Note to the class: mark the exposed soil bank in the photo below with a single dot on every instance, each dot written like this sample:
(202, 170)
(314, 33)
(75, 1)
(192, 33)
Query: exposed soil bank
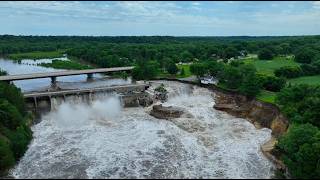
(261, 114)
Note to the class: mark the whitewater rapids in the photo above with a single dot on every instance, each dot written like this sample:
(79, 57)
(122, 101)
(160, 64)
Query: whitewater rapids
(104, 140)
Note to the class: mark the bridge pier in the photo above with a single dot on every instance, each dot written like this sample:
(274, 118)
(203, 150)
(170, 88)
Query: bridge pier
(90, 77)
(54, 82)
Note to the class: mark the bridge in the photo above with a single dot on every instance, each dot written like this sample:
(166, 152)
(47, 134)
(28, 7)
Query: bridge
(54, 75)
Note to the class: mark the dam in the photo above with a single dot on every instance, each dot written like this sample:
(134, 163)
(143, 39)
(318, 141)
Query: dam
(103, 129)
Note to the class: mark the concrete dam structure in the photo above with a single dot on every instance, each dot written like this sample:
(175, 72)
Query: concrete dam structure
(131, 95)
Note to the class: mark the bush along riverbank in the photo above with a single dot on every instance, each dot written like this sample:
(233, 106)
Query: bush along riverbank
(69, 65)
(15, 132)
(295, 144)
(37, 55)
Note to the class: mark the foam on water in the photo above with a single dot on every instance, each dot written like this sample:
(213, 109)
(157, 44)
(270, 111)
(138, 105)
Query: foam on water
(103, 140)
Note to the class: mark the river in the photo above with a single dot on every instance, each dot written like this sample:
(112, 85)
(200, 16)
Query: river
(104, 140)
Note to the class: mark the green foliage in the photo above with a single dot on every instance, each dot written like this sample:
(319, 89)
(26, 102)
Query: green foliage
(182, 73)
(305, 55)
(242, 77)
(272, 83)
(198, 69)
(172, 68)
(59, 64)
(288, 72)
(6, 156)
(14, 134)
(13, 95)
(301, 103)
(9, 115)
(2, 73)
(265, 54)
(230, 52)
(310, 80)
(161, 89)
(36, 55)
(269, 66)
(250, 85)
(146, 70)
(301, 151)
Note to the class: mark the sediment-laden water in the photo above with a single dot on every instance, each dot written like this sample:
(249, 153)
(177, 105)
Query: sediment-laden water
(104, 140)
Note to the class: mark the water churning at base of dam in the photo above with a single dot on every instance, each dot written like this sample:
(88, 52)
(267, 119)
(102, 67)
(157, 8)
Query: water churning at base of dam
(105, 140)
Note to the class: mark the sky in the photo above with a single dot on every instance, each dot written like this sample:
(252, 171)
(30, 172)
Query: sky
(167, 18)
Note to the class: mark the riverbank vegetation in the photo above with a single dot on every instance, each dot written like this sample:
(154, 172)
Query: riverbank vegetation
(70, 65)
(15, 133)
(271, 69)
(36, 55)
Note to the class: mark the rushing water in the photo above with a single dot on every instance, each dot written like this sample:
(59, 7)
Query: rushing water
(104, 140)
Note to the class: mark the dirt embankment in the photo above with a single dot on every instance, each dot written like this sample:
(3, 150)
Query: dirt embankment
(261, 114)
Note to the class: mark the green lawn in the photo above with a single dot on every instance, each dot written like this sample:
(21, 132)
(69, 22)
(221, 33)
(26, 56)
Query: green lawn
(311, 80)
(267, 96)
(186, 68)
(268, 66)
(187, 72)
(36, 55)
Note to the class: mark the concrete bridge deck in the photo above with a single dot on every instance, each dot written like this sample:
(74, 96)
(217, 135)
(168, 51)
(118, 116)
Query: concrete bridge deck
(118, 89)
(62, 73)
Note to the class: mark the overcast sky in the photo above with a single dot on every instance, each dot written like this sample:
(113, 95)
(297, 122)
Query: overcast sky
(190, 18)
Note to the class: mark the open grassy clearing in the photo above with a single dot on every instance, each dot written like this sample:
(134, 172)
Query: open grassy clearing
(268, 66)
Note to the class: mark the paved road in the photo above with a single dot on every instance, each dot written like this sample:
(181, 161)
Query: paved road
(62, 73)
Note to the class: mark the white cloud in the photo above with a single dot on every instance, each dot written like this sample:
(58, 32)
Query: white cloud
(196, 4)
(316, 4)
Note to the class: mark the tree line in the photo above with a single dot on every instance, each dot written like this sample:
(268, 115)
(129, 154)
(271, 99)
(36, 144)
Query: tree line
(15, 133)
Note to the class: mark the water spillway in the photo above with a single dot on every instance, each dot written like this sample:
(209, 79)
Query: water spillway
(106, 140)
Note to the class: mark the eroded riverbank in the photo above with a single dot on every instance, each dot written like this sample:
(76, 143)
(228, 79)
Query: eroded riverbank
(107, 141)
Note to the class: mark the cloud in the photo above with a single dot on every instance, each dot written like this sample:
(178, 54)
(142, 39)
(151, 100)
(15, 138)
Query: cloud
(316, 4)
(175, 18)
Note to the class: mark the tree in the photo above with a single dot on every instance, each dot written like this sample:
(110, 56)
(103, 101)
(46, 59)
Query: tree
(2, 73)
(288, 72)
(172, 68)
(198, 69)
(305, 55)
(231, 77)
(231, 52)
(146, 70)
(250, 86)
(301, 151)
(182, 73)
(272, 83)
(265, 54)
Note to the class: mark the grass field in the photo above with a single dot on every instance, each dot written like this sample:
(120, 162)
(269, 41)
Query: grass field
(268, 67)
(187, 72)
(36, 55)
(267, 96)
(311, 80)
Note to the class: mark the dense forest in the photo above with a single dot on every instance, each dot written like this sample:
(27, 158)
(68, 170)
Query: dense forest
(220, 57)
(15, 133)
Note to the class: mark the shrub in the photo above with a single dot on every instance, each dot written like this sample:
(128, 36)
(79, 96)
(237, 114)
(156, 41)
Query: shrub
(172, 68)
(6, 156)
(272, 83)
(301, 151)
(265, 54)
(288, 72)
(305, 55)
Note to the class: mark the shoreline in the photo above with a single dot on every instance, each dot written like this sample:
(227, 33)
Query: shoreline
(277, 121)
